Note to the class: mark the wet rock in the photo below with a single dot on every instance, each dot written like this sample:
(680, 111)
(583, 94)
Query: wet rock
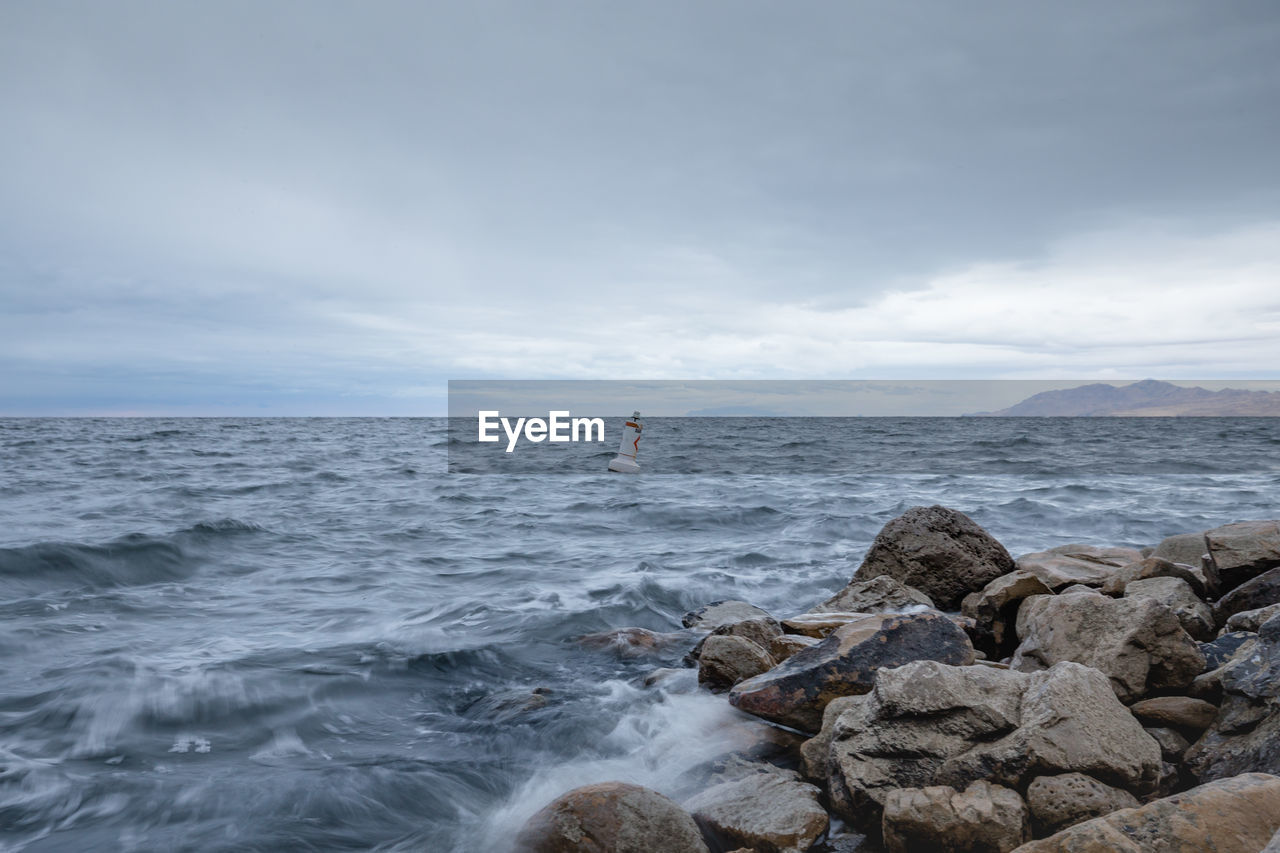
(820, 625)
(1222, 649)
(995, 607)
(1241, 551)
(717, 613)
(787, 645)
(1137, 642)
(984, 818)
(1179, 712)
(770, 811)
(726, 659)
(1195, 616)
(611, 817)
(509, 705)
(927, 724)
(1237, 815)
(1057, 802)
(1154, 567)
(881, 594)
(795, 692)
(1245, 736)
(1065, 565)
(1250, 620)
(761, 630)
(630, 642)
(939, 551)
(1262, 591)
(1172, 744)
(815, 751)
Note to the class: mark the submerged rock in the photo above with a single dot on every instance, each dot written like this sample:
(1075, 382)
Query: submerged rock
(1237, 815)
(630, 642)
(611, 817)
(717, 613)
(771, 811)
(795, 692)
(939, 551)
(1137, 642)
(984, 818)
(927, 724)
(1057, 802)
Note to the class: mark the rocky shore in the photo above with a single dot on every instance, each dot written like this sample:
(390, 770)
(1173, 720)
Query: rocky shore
(952, 698)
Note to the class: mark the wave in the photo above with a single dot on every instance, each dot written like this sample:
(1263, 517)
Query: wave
(128, 561)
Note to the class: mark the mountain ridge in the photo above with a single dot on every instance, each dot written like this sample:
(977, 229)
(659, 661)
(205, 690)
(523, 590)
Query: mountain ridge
(1145, 398)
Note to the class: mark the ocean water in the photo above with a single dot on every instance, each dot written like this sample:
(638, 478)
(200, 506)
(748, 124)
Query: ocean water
(267, 634)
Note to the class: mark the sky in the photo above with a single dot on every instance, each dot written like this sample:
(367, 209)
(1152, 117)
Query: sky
(333, 208)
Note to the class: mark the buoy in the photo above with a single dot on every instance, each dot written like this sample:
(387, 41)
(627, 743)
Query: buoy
(625, 461)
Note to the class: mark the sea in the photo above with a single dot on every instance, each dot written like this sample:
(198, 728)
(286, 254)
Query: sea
(359, 634)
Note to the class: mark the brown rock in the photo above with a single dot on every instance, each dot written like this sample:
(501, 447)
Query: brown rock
(630, 642)
(984, 818)
(611, 817)
(787, 645)
(1262, 591)
(819, 625)
(938, 551)
(1154, 567)
(1057, 802)
(882, 594)
(995, 607)
(815, 752)
(726, 659)
(1179, 712)
(1137, 642)
(1194, 615)
(1238, 552)
(794, 692)
(1077, 564)
(1236, 815)
(769, 812)
(1251, 620)
(1185, 548)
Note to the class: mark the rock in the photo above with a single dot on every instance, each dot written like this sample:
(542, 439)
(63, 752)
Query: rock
(630, 642)
(1057, 802)
(1154, 567)
(1262, 591)
(1237, 815)
(984, 818)
(881, 594)
(938, 551)
(1172, 744)
(666, 675)
(1137, 642)
(611, 817)
(1222, 649)
(1273, 846)
(926, 724)
(781, 648)
(717, 613)
(1241, 551)
(1195, 616)
(1184, 548)
(1077, 564)
(1245, 736)
(760, 630)
(795, 692)
(1251, 620)
(816, 750)
(995, 607)
(509, 705)
(769, 812)
(1179, 712)
(726, 659)
(819, 625)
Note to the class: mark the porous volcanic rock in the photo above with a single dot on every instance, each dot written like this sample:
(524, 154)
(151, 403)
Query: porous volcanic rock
(1057, 802)
(939, 551)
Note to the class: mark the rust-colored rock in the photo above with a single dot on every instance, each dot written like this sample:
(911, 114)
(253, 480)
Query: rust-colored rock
(1179, 712)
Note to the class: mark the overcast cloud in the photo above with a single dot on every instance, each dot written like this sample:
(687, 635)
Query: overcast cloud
(327, 208)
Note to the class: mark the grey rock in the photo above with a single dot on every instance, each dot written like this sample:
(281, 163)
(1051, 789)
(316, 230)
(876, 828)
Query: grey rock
(1260, 592)
(611, 817)
(1251, 620)
(1194, 615)
(984, 818)
(717, 613)
(1154, 567)
(1173, 746)
(1185, 548)
(770, 812)
(726, 659)
(1057, 802)
(881, 594)
(1089, 565)
(1244, 550)
(1220, 650)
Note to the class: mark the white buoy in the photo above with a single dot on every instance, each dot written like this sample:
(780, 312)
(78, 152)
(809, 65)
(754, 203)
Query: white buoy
(625, 461)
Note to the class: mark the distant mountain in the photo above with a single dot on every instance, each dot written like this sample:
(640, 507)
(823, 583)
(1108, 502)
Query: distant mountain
(1148, 398)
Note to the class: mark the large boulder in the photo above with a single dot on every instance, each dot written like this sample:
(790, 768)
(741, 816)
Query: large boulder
(1057, 802)
(1262, 591)
(795, 692)
(983, 818)
(1185, 548)
(1237, 815)
(770, 811)
(882, 594)
(815, 752)
(1241, 551)
(1137, 642)
(1194, 615)
(1065, 565)
(1245, 736)
(939, 551)
(995, 607)
(1251, 620)
(611, 817)
(1154, 567)
(717, 613)
(927, 724)
(725, 659)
